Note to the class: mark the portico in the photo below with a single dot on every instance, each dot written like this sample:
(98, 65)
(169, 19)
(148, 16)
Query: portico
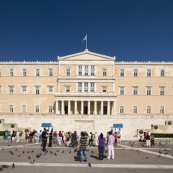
(85, 104)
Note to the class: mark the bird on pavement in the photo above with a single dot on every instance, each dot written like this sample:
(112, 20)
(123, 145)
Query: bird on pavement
(13, 165)
(89, 164)
(29, 157)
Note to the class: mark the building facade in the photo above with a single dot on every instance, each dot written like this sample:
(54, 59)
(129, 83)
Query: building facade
(87, 91)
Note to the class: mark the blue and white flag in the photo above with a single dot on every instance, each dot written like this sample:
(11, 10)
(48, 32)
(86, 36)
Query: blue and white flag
(85, 38)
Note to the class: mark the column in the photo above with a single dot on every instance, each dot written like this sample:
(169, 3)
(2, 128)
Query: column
(101, 107)
(75, 107)
(62, 107)
(69, 107)
(88, 107)
(108, 105)
(81, 107)
(95, 107)
(57, 107)
(113, 107)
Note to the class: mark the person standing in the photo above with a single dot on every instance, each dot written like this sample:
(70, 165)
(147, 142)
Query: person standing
(101, 146)
(50, 138)
(82, 147)
(111, 141)
(59, 137)
(147, 140)
(152, 140)
(44, 139)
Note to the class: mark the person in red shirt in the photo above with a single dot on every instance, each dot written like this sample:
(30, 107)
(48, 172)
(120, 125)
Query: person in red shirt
(115, 136)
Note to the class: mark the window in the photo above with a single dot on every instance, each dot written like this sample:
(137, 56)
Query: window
(50, 89)
(121, 90)
(37, 72)
(121, 109)
(92, 70)
(50, 72)
(148, 90)
(162, 109)
(104, 88)
(135, 110)
(162, 72)
(68, 72)
(79, 86)
(50, 109)
(104, 72)
(24, 72)
(37, 108)
(11, 108)
(11, 89)
(37, 90)
(67, 88)
(85, 86)
(86, 70)
(92, 87)
(148, 72)
(0, 72)
(80, 70)
(148, 109)
(135, 90)
(121, 72)
(162, 90)
(23, 108)
(23, 89)
(135, 72)
(11, 72)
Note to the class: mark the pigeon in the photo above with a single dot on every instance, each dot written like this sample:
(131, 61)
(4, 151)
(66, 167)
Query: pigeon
(18, 156)
(63, 151)
(28, 151)
(57, 151)
(1, 169)
(55, 154)
(23, 152)
(13, 165)
(32, 151)
(137, 150)
(32, 162)
(29, 157)
(5, 166)
(2, 148)
(44, 153)
(38, 156)
(11, 152)
(146, 158)
(16, 149)
(70, 151)
(92, 152)
(47, 151)
(158, 156)
(89, 164)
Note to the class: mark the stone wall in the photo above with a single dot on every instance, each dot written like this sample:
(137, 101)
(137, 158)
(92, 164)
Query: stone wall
(89, 123)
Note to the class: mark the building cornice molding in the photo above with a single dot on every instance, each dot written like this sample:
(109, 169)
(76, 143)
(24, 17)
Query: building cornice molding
(143, 63)
(28, 62)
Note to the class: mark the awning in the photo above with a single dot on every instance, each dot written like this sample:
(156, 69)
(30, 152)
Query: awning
(46, 125)
(117, 125)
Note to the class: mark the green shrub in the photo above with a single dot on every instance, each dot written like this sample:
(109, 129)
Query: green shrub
(163, 135)
(2, 133)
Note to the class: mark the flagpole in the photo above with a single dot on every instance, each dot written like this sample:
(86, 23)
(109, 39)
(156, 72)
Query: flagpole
(86, 40)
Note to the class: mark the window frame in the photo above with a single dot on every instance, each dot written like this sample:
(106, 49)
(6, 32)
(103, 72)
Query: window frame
(149, 72)
(122, 72)
(104, 89)
(135, 72)
(135, 111)
(37, 87)
(120, 93)
(36, 108)
(121, 110)
(162, 72)
(37, 72)
(148, 109)
(50, 72)
(162, 111)
(11, 108)
(104, 72)
(11, 72)
(25, 108)
(24, 72)
(68, 72)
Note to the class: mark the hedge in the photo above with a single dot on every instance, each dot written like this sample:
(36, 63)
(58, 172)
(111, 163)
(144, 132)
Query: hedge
(2, 133)
(163, 135)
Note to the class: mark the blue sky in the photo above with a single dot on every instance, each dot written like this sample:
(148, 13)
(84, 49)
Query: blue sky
(131, 30)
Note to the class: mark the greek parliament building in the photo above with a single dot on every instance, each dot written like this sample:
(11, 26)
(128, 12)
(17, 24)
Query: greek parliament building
(87, 91)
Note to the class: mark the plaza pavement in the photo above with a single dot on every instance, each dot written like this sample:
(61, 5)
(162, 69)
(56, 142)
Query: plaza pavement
(130, 157)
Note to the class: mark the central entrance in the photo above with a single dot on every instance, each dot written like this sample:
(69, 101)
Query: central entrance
(85, 110)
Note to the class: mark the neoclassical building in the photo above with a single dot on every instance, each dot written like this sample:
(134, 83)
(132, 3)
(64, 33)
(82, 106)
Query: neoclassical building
(87, 91)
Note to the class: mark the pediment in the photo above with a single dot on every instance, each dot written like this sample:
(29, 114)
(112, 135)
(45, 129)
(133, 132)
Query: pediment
(86, 56)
